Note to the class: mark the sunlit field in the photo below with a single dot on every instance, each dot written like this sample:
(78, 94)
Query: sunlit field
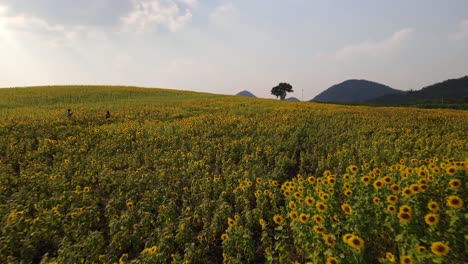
(183, 177)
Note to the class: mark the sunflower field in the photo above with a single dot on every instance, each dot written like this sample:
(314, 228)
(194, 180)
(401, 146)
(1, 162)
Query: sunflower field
(184, 177)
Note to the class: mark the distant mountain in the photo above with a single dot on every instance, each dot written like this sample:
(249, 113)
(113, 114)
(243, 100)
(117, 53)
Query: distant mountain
(452, 91)
(246, 94)
(293, 99)
(353, 91)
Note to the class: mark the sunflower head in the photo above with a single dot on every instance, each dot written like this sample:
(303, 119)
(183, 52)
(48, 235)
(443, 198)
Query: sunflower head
(433, 206)
(293, 215)
(431, 219)
(454, 201)
(355, 242)
(332, 260)
(406, 260)
(440, 248)
(455, 183)
(304, 218)
(278, 219)
(404, 217)
(393, 199)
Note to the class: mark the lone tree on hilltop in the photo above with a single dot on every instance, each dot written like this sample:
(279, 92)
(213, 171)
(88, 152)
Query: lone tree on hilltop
(281, 90)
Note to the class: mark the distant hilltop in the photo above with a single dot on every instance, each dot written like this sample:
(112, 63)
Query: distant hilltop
(354, 91)
(246, 94)
(292, 99)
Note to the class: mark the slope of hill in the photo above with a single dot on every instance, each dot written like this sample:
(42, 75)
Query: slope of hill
(246, 94)
(177, 176)
(352, 91)
(452, 91)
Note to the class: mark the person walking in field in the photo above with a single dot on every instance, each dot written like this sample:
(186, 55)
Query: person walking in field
(108, 116)
(69, 114)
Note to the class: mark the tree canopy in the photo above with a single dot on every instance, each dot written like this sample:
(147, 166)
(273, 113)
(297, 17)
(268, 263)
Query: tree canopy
(281, 90)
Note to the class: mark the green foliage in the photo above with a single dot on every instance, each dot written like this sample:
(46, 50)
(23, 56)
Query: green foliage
(281, 90)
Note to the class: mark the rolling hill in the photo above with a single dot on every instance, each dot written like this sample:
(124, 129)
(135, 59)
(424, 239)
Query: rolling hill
(353, 91)
(452, 91)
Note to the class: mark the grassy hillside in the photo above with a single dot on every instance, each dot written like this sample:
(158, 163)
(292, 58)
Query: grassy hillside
(183, 177)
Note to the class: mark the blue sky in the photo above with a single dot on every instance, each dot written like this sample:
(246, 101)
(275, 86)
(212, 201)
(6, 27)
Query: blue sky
(223, 46)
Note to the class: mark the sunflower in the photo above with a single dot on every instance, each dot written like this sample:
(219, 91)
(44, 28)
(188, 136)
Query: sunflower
(387, 179)
(415, 188)
(292, 205)
(130, 204)
(409, 170)
(454, 201)
(422, 173)
(440, 249)
(278, 219)
(318, 219)
(390, 257)
(321, 207)
(421, 249)
(293, 215)
(406, 260)
(455, 183)
(348, 192)
(431, 219)
(393, 199)
(423, 187)
(356, 242)
(395, 188)
(224, 237)
(311, 179)
(152, 250)
(262, 222)
(347, 209)
(231, 221)
(365, 179)
(346, 237)
(407, 192)
(376, 200)
(319, 229)
(403, 175)
(298, 195)
(433, 206)
(329, 240)
(404, 217)
(451, 170)
(309, 201)
(378, 184)
(353, 168)
(391, 209)
(405, 209)
(304, 218)
(332, 260)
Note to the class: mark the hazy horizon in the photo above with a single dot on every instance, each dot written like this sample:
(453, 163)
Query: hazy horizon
(225, 47)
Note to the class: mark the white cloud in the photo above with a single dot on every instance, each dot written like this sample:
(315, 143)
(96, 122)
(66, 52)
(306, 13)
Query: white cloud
(192, 3)
(374, 48)
(222, 14)
(462, 32)
(152, 13)
(3, 9)
(26, 28)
